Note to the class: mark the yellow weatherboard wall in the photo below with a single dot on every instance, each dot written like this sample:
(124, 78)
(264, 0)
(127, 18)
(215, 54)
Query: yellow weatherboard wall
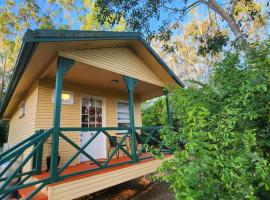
(71, 114)
(21, 127)
(120, 60)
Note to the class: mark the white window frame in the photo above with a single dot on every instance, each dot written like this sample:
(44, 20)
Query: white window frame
(70, 102)
(121, 121)
(103, 99)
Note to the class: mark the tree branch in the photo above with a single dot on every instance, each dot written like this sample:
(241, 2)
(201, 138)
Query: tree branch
(227, 17)
(234, 3)
(185, 9)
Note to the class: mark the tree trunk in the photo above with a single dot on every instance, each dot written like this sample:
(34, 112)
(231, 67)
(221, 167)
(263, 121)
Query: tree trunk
(212, 4)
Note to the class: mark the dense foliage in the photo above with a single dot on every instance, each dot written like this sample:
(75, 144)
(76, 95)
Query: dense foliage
(225, 127)
(235, 16)
(154, 113)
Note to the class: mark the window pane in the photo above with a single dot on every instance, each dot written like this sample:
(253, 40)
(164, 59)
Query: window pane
(123, 116)
(98, 103)
(122, 107)
(124, 125)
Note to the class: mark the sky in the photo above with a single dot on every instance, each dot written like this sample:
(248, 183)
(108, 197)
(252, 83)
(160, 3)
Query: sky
(60, 19)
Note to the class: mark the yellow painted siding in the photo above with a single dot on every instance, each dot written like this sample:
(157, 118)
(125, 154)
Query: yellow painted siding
(120, 60)
(77, 188)
(22, 128)
(71, 114)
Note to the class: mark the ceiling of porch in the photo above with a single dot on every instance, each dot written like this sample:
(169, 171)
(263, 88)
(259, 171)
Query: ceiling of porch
(94, 77)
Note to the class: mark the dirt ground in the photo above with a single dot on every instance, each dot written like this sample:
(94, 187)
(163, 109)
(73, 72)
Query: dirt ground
(137, 189)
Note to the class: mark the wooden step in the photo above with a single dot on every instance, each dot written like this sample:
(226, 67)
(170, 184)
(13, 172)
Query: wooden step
(25, 192)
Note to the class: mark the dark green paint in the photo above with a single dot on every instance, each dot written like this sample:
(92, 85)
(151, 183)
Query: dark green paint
(130, 83)
(169, 111)
(119, 145)
(64, 64)
(80, 151)
(38, 157)
(38, 141)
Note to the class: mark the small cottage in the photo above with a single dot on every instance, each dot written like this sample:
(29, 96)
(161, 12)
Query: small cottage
(74, 111)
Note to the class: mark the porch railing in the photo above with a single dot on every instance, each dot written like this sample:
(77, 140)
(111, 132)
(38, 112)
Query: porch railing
(148, 144)
(16, 158)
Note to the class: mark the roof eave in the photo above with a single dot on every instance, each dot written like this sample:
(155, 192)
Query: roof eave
(23, 59)
(75, 35)
(32, 38)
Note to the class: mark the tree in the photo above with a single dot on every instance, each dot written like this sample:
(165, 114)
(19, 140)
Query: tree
(16, 17)
(166, 16)
(184, 60)
(90, 19)
(154, 113)
(225, 127)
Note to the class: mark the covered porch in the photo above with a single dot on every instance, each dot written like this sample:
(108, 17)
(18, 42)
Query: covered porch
(129, 148)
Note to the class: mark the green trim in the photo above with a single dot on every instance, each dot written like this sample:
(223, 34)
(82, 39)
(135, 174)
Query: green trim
(42, 185)
(33, 37)
(25, 185)
(41, 136)
(169, 110)
(94, 129)
(80, 150)
(130, 83)
(64, 64)
(46, 35)
(38, 156)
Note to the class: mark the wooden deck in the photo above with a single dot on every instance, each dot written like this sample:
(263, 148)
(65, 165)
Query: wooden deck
(91, 182)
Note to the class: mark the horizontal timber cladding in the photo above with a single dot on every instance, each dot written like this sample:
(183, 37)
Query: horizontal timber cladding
(22, 126)
(71, 114)
(120, 60)
(77, 188)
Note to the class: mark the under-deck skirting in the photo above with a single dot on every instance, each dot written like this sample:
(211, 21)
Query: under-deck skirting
(84, 186)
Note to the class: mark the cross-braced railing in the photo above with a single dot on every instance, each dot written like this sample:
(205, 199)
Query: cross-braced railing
(81, 150)
(147, 142)
(13, 175)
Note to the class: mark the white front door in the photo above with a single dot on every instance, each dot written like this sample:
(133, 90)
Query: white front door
(92, 115)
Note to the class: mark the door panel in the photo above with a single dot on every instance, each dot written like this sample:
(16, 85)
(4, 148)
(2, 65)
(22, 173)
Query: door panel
(92, 116)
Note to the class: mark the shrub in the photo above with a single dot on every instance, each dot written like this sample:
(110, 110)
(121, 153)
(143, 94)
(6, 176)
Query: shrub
(225, 127)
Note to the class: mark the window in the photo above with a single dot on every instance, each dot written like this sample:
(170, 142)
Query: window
(91, 112)
(22, 109)
(123, 114)
(66, 97)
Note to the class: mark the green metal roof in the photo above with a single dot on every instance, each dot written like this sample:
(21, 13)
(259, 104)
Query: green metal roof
(32, 37)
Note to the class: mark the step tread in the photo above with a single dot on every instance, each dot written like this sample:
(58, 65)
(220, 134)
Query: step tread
(25, 192)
